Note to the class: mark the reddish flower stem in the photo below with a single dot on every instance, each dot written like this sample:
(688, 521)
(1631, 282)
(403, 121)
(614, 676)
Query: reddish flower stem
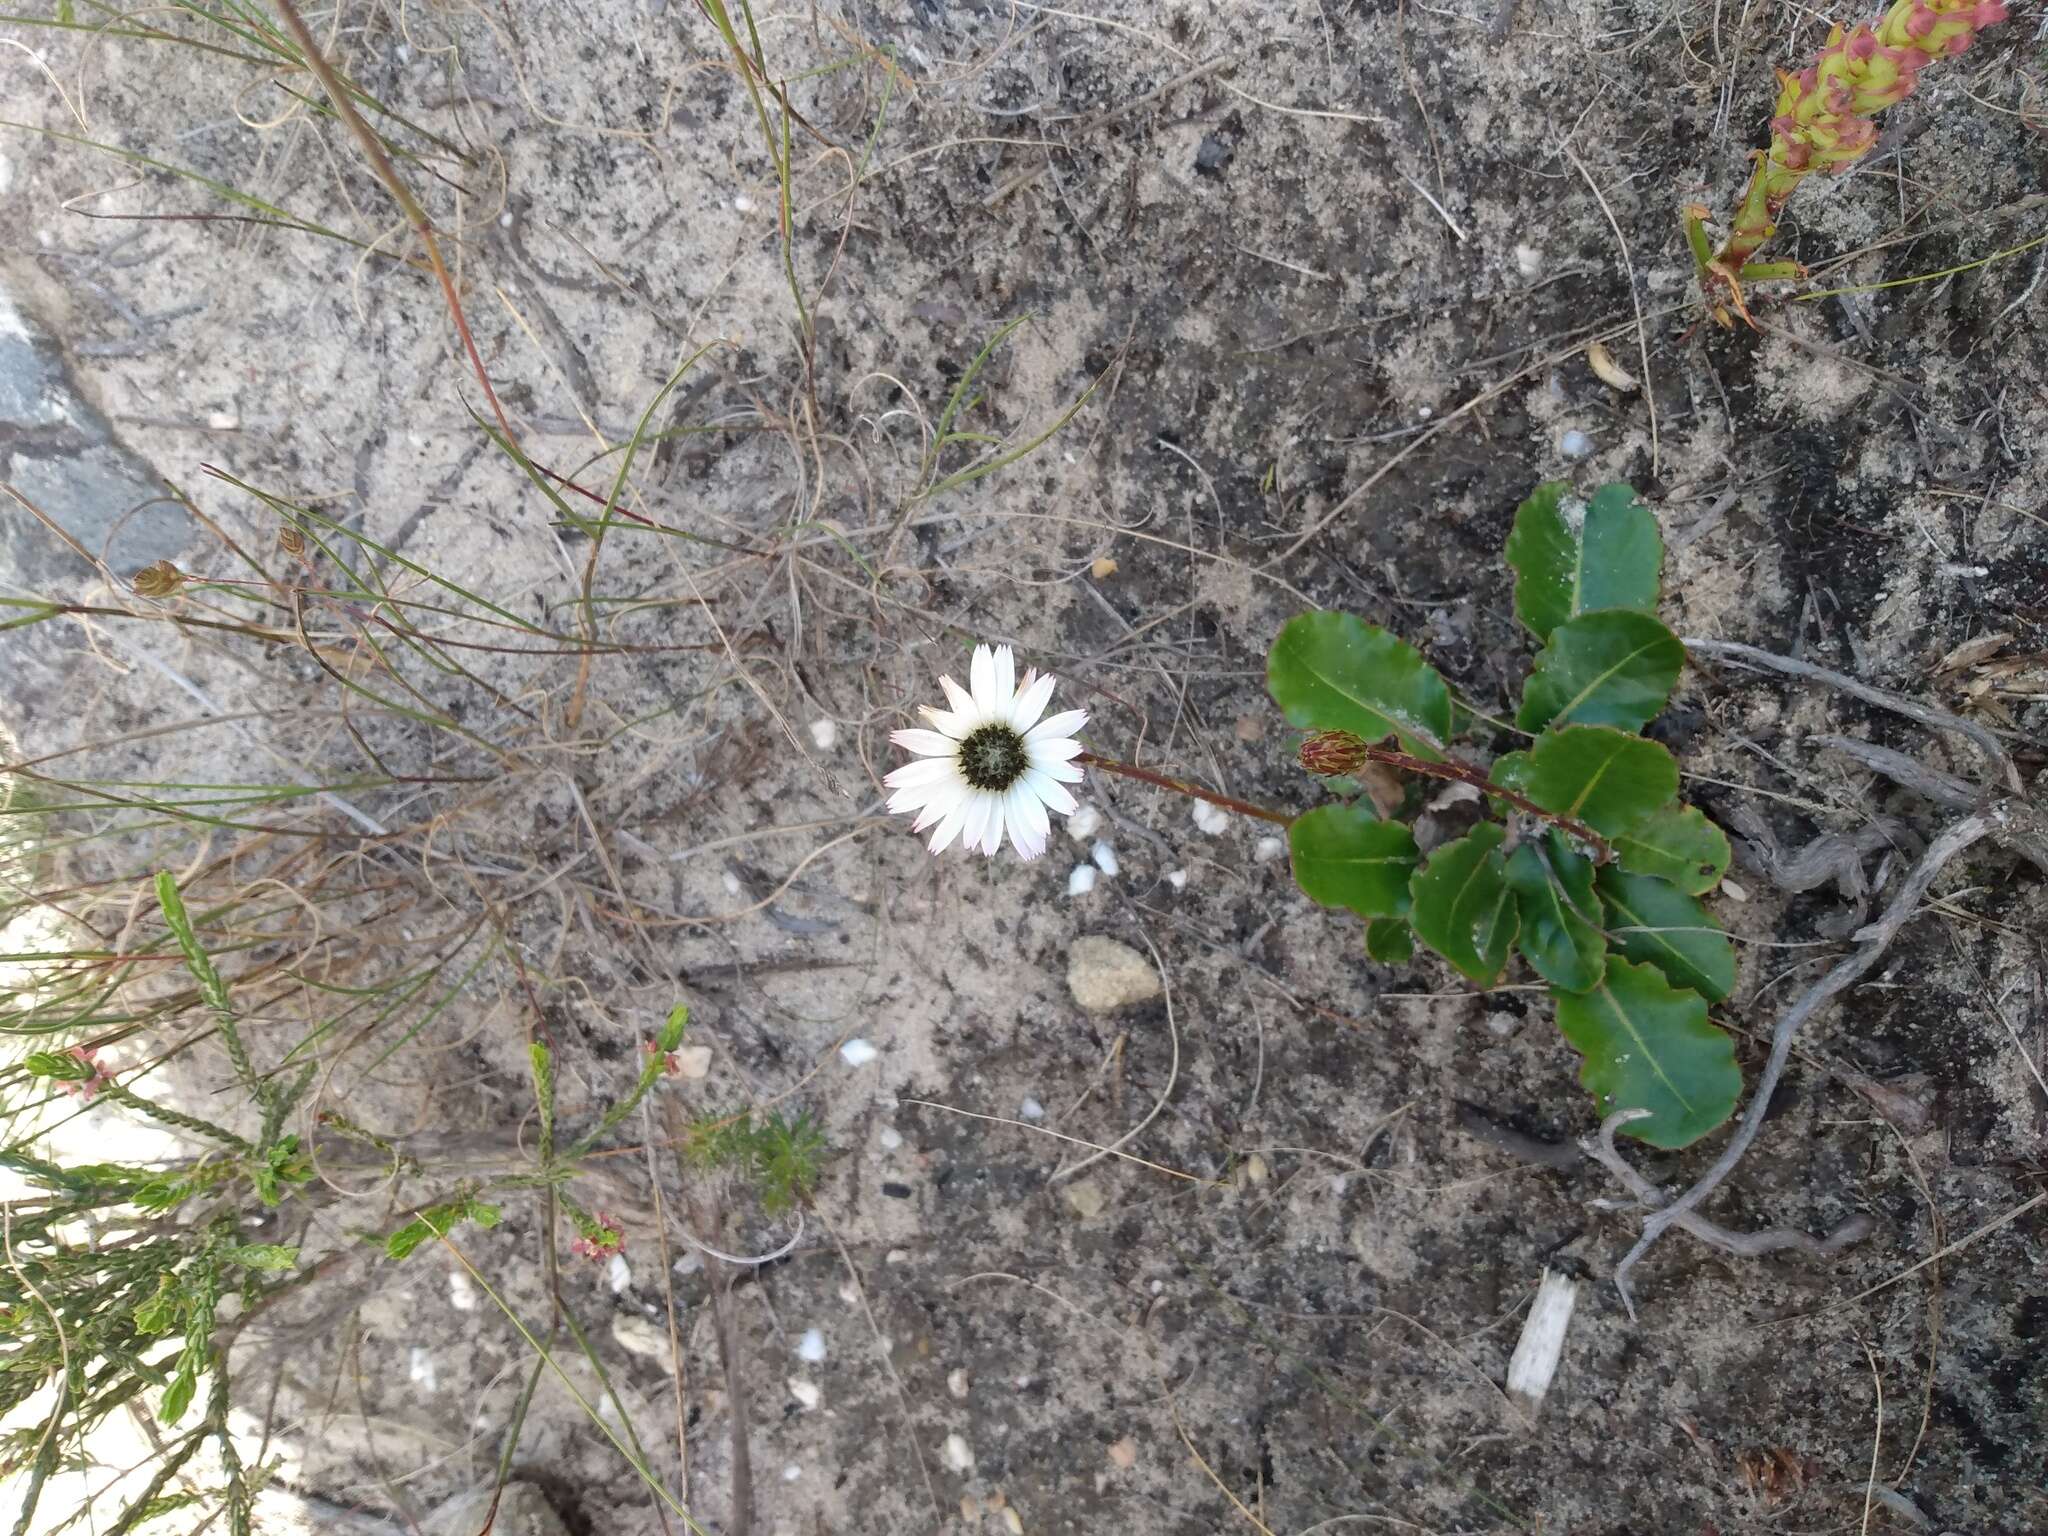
(1467, 773)
(1182, 787)
(1453, 769)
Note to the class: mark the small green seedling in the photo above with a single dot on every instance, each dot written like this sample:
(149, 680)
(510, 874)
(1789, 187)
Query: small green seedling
(1584, 862)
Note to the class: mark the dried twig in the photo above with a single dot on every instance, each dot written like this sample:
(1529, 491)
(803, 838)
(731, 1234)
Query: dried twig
(1748, 1245)
(1943, 789)
(1898, 703)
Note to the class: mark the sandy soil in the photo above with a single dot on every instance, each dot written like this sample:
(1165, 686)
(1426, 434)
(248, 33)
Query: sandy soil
(1329, 271)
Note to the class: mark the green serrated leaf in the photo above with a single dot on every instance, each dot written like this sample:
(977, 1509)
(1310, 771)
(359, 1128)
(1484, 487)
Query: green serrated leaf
(1614, 667)
(1675, 843)
(1463, 907)
(1648, 1045)
(1569, 561)
(1606, 778)
(400, 1244)
(1345, 856)
(1335, 672)
(1654, 922)
(1389, 941)
(1560, 915)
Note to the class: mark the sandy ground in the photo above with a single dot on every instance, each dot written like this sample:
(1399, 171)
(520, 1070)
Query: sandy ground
(1325, 274)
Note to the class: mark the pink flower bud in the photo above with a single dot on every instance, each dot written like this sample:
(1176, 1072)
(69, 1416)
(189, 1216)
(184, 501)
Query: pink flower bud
(1862, 42)
(1920, 22)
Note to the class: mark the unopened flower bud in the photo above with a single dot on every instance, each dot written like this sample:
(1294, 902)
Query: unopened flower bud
(1333, 754)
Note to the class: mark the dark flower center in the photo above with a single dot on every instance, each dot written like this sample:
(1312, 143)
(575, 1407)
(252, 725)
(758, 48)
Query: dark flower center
(992, 758)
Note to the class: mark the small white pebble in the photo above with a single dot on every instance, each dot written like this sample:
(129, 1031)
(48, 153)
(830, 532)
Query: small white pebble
(890, 1138)
(461, 1294)
(1177, 878)
(792, 1472)
(1158, 1286)
(806, 1393)
(732, 883)
(1030, 1109)
(743, 204)
(1424, 412)
(1733, 891)
(423, 1375)
(619, 1273)
(1502, 1024)
(896, 1256)
(505, 220)
(693, 1062)
(825, 734)
(811, 1347)
(959, 1454)
(1105, 858)
(1528, 260)
(857, 1053)
(1082, 824)
(1269, 849)
(1082, 880)
(1575, 445)
(223, 421)
(956, 1382)
(1211, 819)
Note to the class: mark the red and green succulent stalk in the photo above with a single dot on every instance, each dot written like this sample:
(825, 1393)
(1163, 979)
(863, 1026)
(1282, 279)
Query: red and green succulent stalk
(1823, 123)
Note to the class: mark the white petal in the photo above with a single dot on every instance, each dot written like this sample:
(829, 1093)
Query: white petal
(1031, 701)
(1052, 793)
(944, 721)
(979, 804)
(1064, 723)
(1053, 749)
(943, 800)
(998, 822)
(1006, 681)
(965, 710)
(1066, 773)
(1030, 827)
(913, 796)
(950, 825)
(926, 743)
(981, 676)
(925, 770)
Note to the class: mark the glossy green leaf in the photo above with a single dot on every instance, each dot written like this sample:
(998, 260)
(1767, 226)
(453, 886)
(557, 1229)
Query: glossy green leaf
(1560, 914)
(1613, 667)
(1653, 921)
(1675, 843)
(1345, 856)
(1335, 672)
(1648, 1045)
(1571, 558)
(1463, 906)
(1606, 778)
(1389, 941)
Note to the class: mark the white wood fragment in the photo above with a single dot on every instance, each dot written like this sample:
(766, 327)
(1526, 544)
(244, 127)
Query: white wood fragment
(1541, 1345)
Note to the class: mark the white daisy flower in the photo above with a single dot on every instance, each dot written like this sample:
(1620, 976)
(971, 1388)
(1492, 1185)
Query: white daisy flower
(990, 765)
